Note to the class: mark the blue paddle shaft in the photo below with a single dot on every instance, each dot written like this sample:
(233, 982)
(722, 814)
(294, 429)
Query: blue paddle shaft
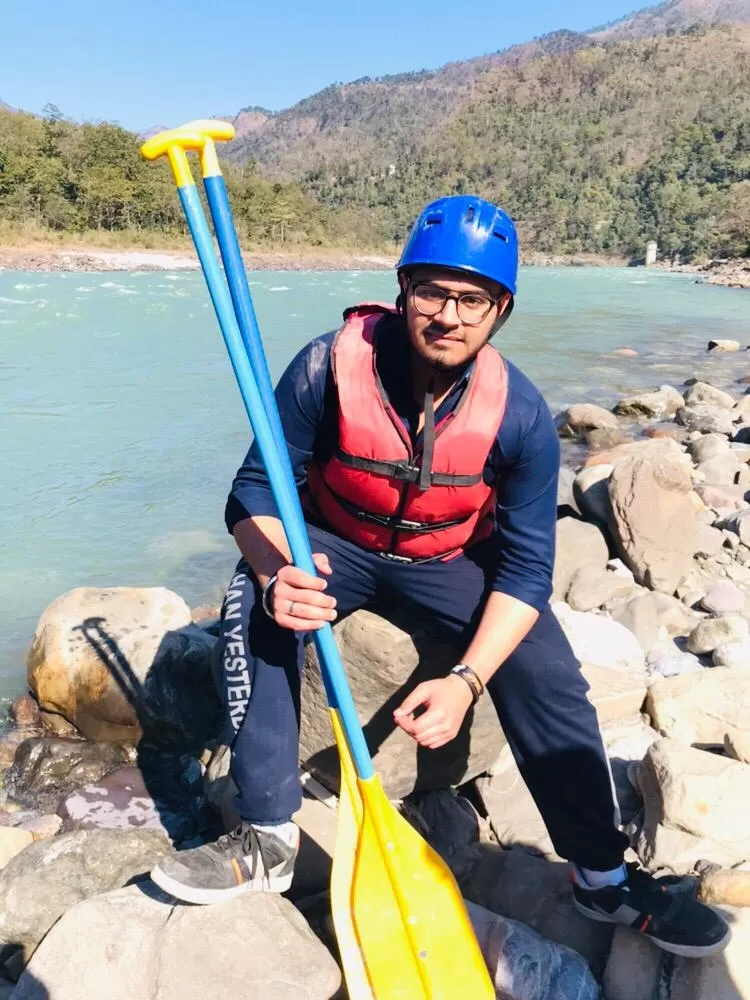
(272, 448)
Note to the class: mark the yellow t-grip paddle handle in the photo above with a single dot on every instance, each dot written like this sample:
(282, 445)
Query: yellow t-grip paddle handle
(175, 143)
(213, 130)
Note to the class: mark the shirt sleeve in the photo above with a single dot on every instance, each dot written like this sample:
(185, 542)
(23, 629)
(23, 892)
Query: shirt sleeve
(300, 396)
(529, 452)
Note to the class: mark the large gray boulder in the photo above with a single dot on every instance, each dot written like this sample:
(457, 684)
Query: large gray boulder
(51, 876)
(385, 656)
(653, 520)
(133, 945)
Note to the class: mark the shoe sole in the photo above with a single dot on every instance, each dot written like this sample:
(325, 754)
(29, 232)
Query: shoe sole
(683, 950)
(203, 897)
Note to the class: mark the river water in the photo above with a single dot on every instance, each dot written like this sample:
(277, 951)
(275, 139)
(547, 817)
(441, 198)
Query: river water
(121, 425)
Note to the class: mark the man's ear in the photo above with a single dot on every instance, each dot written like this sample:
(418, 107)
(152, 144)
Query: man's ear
(403, 284)
(505, 301)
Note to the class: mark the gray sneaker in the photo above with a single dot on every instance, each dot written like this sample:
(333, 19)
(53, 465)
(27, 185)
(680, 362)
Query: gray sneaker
(249, 859)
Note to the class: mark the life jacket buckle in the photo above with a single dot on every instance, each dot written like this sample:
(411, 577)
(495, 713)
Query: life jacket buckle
(406, 473)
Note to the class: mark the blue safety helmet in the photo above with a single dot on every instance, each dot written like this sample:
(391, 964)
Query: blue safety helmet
(468, 234)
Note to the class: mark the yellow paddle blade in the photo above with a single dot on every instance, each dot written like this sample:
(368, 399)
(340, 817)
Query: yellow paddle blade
(348, 824)
(409, 919)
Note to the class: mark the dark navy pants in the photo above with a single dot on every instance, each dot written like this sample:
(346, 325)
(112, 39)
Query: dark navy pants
(539, 694)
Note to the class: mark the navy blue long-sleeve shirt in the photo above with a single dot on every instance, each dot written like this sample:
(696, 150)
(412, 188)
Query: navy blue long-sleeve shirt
(523, 462)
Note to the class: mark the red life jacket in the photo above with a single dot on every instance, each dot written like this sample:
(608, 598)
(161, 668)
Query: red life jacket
(375, 490)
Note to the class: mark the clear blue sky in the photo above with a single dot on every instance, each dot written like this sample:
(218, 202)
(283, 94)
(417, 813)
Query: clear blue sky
(92, 57)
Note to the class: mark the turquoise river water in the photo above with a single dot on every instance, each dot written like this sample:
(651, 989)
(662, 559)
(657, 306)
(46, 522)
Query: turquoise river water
(121, 426)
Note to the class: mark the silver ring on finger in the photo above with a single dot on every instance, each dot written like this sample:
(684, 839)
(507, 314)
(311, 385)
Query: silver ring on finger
(291, 609)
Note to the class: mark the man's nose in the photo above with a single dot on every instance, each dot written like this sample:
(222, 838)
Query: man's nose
(448, 315)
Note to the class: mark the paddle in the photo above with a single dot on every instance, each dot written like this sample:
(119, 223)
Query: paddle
(403, 927)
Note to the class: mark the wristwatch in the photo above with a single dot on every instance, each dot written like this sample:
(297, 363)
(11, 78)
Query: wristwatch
(467, 674)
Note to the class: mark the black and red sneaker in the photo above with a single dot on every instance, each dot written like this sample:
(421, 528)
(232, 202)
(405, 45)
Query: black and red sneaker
(671, 919)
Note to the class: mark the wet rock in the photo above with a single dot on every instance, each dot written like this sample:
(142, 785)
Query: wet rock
(143, 946)
(704, 392)
(625, 352)
(126, 800)
(25, 712)
(723, 598)
(385, 656)
(605, 437)
(45, 769)
(665, 431)
(696, 805)
(125, 661)
(58, 725)
(51, 876)
(664, 402)
(118, 802)
(704, 708)
(706, 418)
(582, 417)
(578, 545)
(723, 345)
(713, 632)
(10, 742)
(653, 520)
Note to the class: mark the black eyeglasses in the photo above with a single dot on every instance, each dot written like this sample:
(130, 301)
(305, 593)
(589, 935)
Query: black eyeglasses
(471, 307)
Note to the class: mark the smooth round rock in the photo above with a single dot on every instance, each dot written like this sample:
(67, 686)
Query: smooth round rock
(713, 632)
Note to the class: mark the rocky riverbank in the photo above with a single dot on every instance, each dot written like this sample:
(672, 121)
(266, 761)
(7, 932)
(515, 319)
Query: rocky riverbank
(117, 754)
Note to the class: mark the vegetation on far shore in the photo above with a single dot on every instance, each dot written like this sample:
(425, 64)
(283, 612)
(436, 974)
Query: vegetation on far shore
(595, 149)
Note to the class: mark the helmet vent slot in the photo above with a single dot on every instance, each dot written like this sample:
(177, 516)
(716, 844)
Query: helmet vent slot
(434, 220)
(469, 213)
(501, 236)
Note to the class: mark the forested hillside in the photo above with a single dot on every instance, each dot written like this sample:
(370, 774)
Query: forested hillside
(594, 142)
(599, 147)
(58, 176)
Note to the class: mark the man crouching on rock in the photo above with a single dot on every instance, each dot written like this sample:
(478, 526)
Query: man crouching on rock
(428, 468)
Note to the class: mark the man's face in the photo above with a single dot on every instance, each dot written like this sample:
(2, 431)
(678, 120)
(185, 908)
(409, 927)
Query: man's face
(454, 331)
